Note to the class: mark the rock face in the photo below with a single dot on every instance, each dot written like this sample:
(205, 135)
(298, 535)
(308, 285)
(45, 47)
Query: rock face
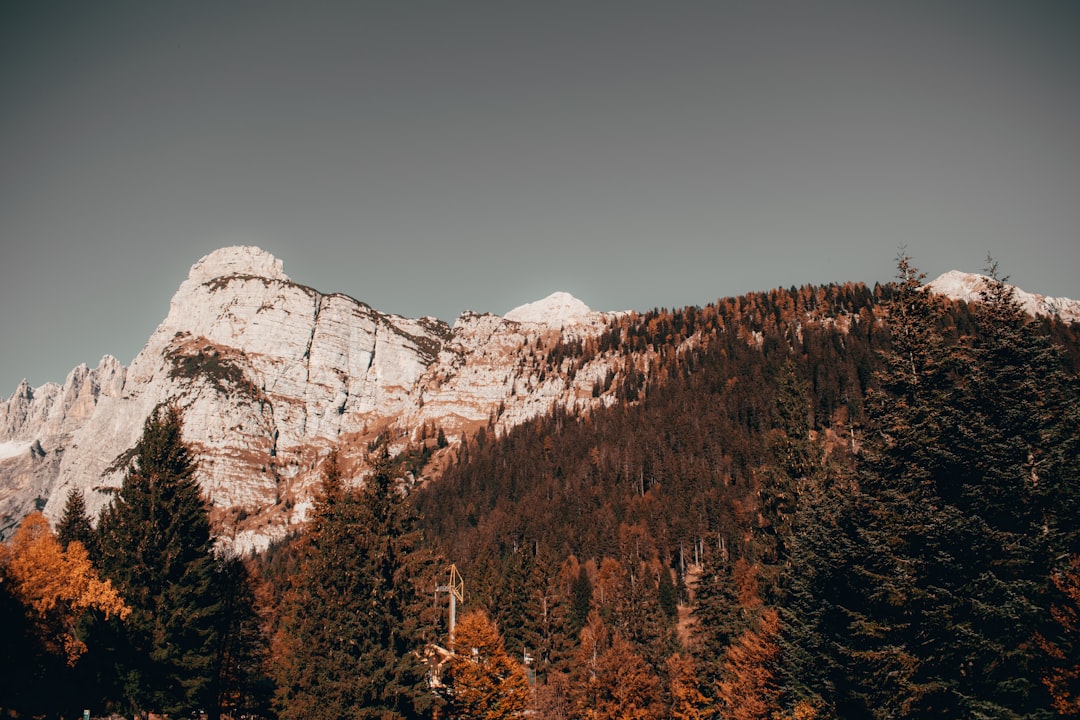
(270, 374)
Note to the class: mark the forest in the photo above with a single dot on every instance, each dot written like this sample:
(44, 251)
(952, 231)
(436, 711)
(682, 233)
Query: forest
(819, 502)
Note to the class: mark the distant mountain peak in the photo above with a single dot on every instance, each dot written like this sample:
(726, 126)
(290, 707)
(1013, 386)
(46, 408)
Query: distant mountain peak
(558, 308)
(968, 287)
(237, 260)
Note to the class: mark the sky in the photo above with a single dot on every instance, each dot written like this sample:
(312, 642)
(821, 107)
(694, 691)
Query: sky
(433, 157)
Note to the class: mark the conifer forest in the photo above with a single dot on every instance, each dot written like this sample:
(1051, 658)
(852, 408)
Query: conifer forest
(819, 502)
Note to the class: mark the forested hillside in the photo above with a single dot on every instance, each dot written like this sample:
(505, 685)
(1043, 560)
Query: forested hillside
(826, 513)
(808, 503)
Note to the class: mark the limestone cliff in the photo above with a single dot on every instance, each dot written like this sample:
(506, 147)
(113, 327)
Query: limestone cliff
(270, 374)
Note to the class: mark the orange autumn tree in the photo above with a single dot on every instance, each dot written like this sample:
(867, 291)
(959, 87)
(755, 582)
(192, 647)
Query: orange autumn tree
(687, 700)
(610, 680)
(57, 587)
(485, 683)
(749, 688)
(1062, 678)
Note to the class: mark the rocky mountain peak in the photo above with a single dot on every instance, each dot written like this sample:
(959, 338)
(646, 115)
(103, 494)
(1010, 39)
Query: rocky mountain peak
(968, 287)
(558, 308)
(237, 260)
(270, 374)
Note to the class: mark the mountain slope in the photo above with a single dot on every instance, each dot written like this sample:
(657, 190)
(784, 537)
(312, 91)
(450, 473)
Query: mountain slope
(270, 374)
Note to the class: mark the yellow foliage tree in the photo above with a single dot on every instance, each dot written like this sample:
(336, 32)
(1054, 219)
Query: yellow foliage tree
(56, 586)
(485, 682)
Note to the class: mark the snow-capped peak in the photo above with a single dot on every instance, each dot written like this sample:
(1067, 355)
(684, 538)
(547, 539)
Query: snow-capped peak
(558, 308)
(968, 287)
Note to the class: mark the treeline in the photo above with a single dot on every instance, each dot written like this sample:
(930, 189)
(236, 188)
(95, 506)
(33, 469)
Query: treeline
(809, 503)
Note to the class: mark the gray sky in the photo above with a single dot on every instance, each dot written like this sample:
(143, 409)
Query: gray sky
(432, 157)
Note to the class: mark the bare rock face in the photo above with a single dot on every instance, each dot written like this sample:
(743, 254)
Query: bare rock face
(37, 425)
(269, 375)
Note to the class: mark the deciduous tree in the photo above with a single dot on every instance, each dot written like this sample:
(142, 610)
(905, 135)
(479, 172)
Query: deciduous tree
(58, 587)
(484, 682)
(749, 688)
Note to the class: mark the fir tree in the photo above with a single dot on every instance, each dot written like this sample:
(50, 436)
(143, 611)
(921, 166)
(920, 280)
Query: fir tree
(156, 548)
(75, 523)
(243, 687)
(352, 620)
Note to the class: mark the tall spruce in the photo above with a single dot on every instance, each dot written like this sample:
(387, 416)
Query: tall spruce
(156, 547)
(75, 523)
(353, 620)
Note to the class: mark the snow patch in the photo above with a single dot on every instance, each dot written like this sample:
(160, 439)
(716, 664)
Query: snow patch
(13, 448)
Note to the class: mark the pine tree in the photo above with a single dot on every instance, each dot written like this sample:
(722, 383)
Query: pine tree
(687, 700)
(156, 547)
(242, 685)
(352, 621)
(1061, 645)
(610, 680)
(48, 597)
(853, 595)
(57, 586)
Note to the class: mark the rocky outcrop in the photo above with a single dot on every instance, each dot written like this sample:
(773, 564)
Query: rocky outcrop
(270, 374)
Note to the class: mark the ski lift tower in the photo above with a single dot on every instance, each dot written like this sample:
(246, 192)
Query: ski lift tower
(456, 589)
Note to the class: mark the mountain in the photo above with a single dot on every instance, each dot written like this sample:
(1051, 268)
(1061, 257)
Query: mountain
(967, 286)
(270, 374)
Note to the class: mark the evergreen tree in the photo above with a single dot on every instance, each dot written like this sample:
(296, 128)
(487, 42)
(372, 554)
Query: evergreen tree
(946, 541)
(24, 661)
(156, 547)
(242, 684)
(352, 621)
(581, 592)
(75, 523)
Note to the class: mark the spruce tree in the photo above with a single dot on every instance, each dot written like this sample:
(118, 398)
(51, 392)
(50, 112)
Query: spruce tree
(156, 547)
(75, 523)
(353, 620)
